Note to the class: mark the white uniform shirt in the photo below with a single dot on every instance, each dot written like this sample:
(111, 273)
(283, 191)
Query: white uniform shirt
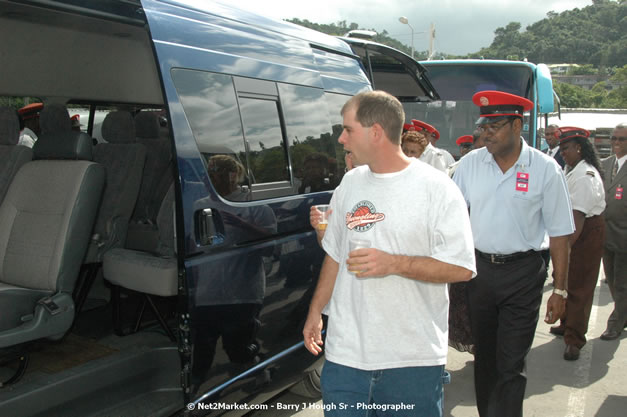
(393, 321)
(448, 158)
(434, 157)
(513, 211)
(586, 189)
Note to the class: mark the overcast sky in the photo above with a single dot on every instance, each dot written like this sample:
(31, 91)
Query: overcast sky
(462, 26)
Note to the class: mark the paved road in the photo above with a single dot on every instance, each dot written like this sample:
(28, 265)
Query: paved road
(593, 386)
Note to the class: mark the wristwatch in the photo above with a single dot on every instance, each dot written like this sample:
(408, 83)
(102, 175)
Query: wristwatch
(562, 293)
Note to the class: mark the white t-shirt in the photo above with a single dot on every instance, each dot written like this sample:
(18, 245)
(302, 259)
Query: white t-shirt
(585, 187)
(392, 321)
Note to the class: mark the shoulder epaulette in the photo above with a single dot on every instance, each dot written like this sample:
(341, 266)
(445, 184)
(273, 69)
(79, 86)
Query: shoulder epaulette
(591, 173)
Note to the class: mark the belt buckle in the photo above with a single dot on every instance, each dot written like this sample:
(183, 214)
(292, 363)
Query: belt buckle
(493, 259)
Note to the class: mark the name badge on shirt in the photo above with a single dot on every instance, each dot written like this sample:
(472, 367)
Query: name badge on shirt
(618, 195)
(522, 181)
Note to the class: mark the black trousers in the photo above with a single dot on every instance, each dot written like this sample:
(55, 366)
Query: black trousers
(504, 302)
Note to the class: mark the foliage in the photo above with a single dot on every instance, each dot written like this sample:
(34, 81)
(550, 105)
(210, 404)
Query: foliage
(598, 96)
(17, 102)
(591, 35)
(587, 69)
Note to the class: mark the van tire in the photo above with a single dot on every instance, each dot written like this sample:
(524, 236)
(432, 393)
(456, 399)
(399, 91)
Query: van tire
(309, 386)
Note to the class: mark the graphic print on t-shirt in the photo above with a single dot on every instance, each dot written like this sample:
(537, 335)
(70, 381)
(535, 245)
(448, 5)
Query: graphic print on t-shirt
(363, 216)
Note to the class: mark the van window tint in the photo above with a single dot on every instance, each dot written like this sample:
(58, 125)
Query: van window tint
(280, 136)
(262, 130)
(312, 148)
(335, 102)
(211, 108)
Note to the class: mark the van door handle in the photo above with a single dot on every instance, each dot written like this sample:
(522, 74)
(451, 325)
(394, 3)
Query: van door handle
(206, 233)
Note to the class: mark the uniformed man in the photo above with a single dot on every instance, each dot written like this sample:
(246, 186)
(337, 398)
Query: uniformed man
(465, 144)
(615, 252)
(516, 196)
(431, 155)
(551, 135)
(434, 135)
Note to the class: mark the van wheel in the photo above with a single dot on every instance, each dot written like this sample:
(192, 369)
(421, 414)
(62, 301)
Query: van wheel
(309, 386)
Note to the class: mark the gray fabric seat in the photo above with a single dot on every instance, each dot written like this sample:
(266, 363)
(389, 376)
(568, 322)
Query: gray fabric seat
(12, 155)
(156, 180)
(150, 273)
(157, 176)
(54, 118)
(123, 160)
(46, 220)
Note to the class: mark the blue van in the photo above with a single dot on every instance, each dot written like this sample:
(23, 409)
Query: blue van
(155, 249)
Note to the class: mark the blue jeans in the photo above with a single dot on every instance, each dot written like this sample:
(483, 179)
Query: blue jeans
(402, 392)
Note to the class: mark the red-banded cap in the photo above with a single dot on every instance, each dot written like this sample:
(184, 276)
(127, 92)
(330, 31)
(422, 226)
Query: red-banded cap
(567, 133)
(426, 126)
(30, 110)
(495, 105)
(464, 139)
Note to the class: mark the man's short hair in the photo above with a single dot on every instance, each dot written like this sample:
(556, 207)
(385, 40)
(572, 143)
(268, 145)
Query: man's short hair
(378, 107)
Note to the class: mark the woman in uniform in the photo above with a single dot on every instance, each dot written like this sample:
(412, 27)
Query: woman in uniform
(585, 186)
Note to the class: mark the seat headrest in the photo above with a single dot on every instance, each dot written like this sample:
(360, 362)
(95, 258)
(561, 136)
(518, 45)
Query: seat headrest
(9, 126)
(118, 127)
(147, 125)
(64, 145)
(54, 118)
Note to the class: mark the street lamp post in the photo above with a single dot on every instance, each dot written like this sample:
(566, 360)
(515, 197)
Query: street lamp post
(405, 21)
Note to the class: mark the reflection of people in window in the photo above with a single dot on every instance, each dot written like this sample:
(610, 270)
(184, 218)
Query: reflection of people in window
(226, 175)
(315, 174)
(229, 298)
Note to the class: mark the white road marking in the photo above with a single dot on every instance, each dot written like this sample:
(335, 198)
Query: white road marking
(577, 394)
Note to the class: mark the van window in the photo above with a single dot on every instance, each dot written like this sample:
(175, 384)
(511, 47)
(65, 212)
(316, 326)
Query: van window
(280, 134)
(263, 133)
(312, 147)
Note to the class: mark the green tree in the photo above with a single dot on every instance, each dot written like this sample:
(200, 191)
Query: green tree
(586, 69)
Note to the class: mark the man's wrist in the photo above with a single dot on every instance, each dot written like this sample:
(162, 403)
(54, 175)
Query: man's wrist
(561, 293)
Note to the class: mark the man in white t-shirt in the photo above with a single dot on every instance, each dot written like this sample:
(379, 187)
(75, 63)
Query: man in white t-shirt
(386, 341)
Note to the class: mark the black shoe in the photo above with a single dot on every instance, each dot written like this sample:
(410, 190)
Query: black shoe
(557, 330)
(571, 353)
(610, 335)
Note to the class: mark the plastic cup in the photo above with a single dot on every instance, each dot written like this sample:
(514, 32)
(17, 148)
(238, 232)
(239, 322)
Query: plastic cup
(324, 209)
(355, 244)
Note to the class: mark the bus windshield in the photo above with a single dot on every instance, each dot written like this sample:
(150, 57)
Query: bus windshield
(454, 115)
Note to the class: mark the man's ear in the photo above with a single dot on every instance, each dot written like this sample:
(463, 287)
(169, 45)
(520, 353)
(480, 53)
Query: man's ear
(377, 131)
(518, 124)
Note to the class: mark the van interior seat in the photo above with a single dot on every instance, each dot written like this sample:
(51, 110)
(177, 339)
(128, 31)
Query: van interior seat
(123, 159)
(157, 176)
(156, 181)
(12, 155)
(54, 118)
(150, 273)
(46, 220)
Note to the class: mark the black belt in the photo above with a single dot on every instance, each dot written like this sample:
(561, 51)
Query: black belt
(503, 259)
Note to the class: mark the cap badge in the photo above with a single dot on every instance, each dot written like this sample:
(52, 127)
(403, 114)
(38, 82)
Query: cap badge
(484, 101)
